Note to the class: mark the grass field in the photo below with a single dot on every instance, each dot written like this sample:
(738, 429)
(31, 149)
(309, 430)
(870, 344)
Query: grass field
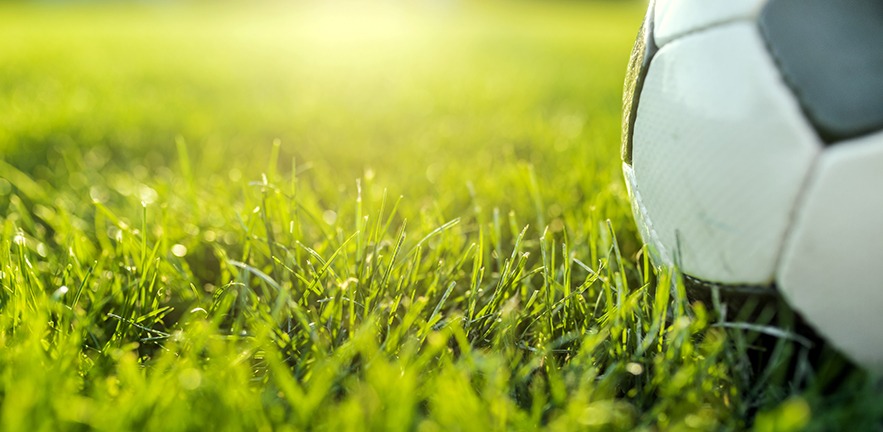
(346, 217)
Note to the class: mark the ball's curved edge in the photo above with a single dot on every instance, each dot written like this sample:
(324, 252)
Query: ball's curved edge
(658, 252)
(639, 63)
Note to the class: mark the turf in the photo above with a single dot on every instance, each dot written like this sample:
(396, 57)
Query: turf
(397, 217)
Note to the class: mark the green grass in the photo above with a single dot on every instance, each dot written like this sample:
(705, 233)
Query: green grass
(387, 218)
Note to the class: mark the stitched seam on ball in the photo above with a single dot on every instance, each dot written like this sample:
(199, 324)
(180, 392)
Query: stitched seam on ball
(707, 27)
(794, 215)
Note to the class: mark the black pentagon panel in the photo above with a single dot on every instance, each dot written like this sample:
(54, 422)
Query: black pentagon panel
(639, 63)
(830, 53)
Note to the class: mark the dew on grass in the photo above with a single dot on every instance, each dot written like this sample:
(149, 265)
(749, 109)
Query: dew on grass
(115, 233)
(329, 216)
(147, 194)
(98, 194)
(190, 379)
(59, 293)
(179, 250)
(634, 368)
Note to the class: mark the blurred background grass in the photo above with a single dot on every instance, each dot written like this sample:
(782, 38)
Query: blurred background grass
(458, 106)
(432, 94)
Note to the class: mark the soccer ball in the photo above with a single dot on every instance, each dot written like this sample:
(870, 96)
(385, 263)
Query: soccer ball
(753, 153)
